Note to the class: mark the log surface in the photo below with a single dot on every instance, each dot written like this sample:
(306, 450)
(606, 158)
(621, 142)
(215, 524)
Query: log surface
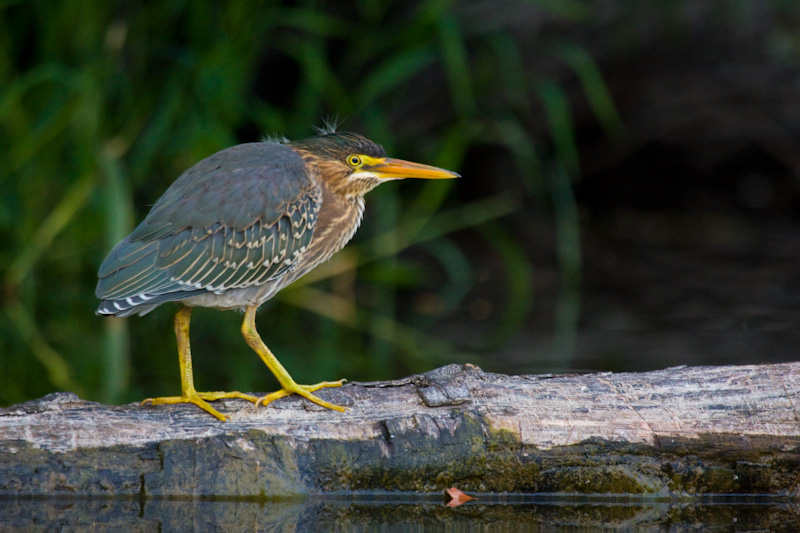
(698, 430)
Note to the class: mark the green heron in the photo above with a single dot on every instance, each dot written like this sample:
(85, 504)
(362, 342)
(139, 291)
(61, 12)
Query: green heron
(238, 227)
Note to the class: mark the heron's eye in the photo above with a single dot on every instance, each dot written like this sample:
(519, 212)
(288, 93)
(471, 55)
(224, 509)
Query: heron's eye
(354, 161)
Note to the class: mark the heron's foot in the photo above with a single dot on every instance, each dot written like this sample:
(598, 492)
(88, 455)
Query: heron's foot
(201, 399)
(304, 391)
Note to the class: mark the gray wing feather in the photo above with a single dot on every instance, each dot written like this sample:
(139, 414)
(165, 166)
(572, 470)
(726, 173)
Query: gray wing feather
(239, 218)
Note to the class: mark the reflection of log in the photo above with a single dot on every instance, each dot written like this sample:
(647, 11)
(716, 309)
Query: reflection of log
(676, 431)
(405, 513)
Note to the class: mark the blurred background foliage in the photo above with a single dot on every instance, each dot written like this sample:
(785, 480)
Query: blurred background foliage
(610, 150)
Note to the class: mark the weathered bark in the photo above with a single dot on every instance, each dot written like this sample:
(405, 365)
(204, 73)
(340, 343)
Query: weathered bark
(703, 430)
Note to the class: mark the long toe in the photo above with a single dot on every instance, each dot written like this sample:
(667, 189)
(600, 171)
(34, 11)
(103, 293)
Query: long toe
(306, 392)
(194, 398)
(211, 396)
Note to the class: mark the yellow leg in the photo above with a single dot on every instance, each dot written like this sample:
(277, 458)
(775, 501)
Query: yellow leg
(188, 392)
(288, 385)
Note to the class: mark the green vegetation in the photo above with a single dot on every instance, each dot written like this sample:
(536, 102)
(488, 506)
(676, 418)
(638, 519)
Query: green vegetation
(103, 104)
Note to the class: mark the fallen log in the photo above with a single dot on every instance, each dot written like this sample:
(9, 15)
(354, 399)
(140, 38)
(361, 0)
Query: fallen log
(669, 433)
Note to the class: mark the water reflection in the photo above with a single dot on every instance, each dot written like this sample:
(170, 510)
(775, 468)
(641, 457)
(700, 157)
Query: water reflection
(399, 513)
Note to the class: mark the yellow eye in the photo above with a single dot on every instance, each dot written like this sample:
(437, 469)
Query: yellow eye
(354, 161)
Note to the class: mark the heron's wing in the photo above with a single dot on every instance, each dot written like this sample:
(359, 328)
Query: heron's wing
(237, 219)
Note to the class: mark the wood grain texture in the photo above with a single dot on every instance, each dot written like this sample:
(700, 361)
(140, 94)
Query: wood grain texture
(701, 430)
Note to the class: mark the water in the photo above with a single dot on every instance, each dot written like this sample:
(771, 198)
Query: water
(403, 512)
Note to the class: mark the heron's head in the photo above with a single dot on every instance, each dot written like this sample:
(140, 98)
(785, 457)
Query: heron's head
(352, 165)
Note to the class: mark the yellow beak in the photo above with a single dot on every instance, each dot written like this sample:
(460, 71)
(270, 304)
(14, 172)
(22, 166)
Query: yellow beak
(389, 168)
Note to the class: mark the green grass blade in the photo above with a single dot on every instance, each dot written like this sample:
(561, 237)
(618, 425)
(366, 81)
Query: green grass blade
(594, 88)
(64, 213)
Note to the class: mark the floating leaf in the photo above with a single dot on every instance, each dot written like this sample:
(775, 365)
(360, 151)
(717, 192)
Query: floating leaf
(457, 497)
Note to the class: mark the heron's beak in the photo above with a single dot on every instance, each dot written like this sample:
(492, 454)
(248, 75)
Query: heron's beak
(389, 168)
